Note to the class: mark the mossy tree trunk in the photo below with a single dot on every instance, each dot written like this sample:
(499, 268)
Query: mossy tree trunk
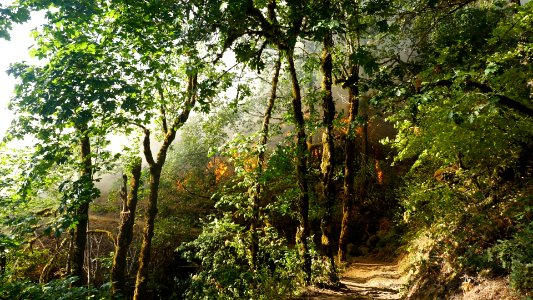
(155, 168)
(148, 233)
(328, 152)
(125, 233)
(348, 203)
(301, 169)
(82, 212)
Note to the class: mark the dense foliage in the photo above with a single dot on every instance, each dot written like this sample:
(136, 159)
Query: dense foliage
(272, 133)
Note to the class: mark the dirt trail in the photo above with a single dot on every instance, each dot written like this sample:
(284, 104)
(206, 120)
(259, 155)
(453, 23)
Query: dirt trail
(365, 280)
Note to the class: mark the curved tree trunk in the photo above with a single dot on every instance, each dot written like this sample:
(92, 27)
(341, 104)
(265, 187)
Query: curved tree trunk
(260, 162)
(328, 163)
(125, 233)
(301, 169)
(148, 233)
(155, 167)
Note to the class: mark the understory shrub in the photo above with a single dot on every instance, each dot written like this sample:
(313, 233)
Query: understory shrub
(226, 268)
(59, 289)
(516, 256)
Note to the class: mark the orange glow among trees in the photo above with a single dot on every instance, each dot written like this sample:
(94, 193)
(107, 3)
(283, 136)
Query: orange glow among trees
(379, 172)
(220, 169)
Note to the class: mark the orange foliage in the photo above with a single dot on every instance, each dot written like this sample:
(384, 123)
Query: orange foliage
(220, 171)
(379, 172)
(219, 168)
(250, 164)
(180, 183)
(345, 123)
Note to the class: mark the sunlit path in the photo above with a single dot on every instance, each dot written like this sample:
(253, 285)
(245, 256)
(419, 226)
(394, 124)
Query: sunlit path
(365, 280)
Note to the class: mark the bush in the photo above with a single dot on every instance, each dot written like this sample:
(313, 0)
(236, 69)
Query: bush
(516, 256)
(227, 272)
(56, 289)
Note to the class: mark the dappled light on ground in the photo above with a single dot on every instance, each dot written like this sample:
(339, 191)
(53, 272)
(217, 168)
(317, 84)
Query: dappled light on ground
(365, 280)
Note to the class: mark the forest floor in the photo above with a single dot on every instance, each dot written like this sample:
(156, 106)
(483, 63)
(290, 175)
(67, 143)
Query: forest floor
(367, 278)
(364, 279)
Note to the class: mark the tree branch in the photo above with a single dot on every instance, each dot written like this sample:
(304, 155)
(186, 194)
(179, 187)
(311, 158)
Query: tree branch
(486, 89)
(163, 111)
(147, 150)
(102, 231)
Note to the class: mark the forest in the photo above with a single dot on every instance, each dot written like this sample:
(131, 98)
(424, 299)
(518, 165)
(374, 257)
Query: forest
(262, 149)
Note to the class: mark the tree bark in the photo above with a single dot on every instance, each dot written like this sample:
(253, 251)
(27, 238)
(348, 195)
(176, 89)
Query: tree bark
(328, 153)
(260, 162)
(348, 203)
(3, 260)
(301, 169)
(82, 215)
(125, 233)
(155, 167)
(148, 233)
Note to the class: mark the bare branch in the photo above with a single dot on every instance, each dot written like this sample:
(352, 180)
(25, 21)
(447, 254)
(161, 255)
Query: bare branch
(102, 231)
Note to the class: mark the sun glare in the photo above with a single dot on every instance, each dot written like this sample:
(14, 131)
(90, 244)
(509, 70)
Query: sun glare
(15, 50)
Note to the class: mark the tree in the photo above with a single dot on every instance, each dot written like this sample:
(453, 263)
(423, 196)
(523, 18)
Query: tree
(280, 28)
(64, 107)
(261, 149)
(328, 144)
(176, 80)
(287, 45)
(155, 168)
(9, 15)
(465, 107)
(363, 21)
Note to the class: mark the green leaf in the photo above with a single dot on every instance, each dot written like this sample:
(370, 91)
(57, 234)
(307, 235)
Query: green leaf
(491, 68)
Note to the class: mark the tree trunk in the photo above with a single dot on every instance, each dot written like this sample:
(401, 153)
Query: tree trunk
(155, 168)
(363, 179)
(328, 163)
(125, 233)
(82, 215)
(3, 260)
(148, 233)
(348, 203)
(146, 247)
(260, 162)
(301, 169)
(363, 117)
